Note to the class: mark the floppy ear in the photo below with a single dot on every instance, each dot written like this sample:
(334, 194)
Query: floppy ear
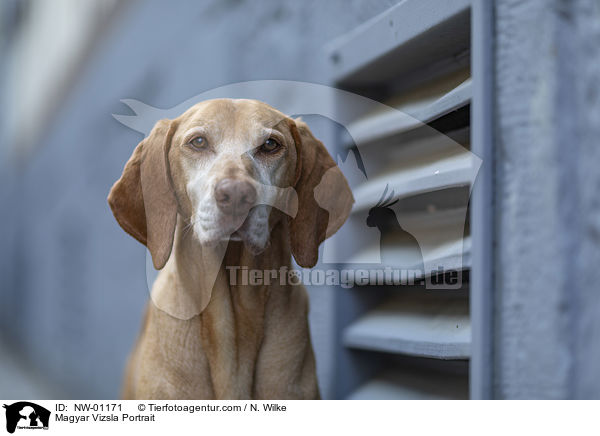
(143, 200)
(324, 197)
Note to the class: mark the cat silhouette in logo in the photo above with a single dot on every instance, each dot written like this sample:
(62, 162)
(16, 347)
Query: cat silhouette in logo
(397, 247)
(31, 413)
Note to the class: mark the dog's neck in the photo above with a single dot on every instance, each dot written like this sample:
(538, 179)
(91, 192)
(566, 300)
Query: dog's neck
(196, 270)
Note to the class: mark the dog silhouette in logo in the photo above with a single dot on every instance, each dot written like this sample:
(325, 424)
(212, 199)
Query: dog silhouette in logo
(397, 247)
(32, 414)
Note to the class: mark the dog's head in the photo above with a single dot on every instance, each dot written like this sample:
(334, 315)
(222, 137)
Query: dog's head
(228, 167)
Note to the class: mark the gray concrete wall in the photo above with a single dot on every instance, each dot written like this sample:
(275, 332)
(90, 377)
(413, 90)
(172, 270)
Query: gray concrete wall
(547, 323)
(73, 283)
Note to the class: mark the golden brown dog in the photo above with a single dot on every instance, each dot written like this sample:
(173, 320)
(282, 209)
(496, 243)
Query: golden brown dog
(229, 183)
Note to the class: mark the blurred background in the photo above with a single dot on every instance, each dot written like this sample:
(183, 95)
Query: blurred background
(514, 82)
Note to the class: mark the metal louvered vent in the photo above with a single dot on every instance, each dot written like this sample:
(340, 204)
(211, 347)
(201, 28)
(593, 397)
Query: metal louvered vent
(408, 341)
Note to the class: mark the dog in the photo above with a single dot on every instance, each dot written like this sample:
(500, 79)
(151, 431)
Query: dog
(230, 184)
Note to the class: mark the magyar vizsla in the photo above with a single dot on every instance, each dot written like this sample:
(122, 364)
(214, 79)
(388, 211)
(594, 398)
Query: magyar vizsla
(227, 185)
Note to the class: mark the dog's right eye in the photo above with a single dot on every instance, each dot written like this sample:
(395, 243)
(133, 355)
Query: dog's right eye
(198, 143)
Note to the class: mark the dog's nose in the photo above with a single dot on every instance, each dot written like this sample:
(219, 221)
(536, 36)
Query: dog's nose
(234, 196)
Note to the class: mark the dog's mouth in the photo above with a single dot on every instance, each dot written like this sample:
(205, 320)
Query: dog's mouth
(235, 236)
(234, 228)
(252, 230)
(250, 244)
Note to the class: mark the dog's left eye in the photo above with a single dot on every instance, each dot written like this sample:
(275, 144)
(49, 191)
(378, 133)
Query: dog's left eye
(270, 146)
